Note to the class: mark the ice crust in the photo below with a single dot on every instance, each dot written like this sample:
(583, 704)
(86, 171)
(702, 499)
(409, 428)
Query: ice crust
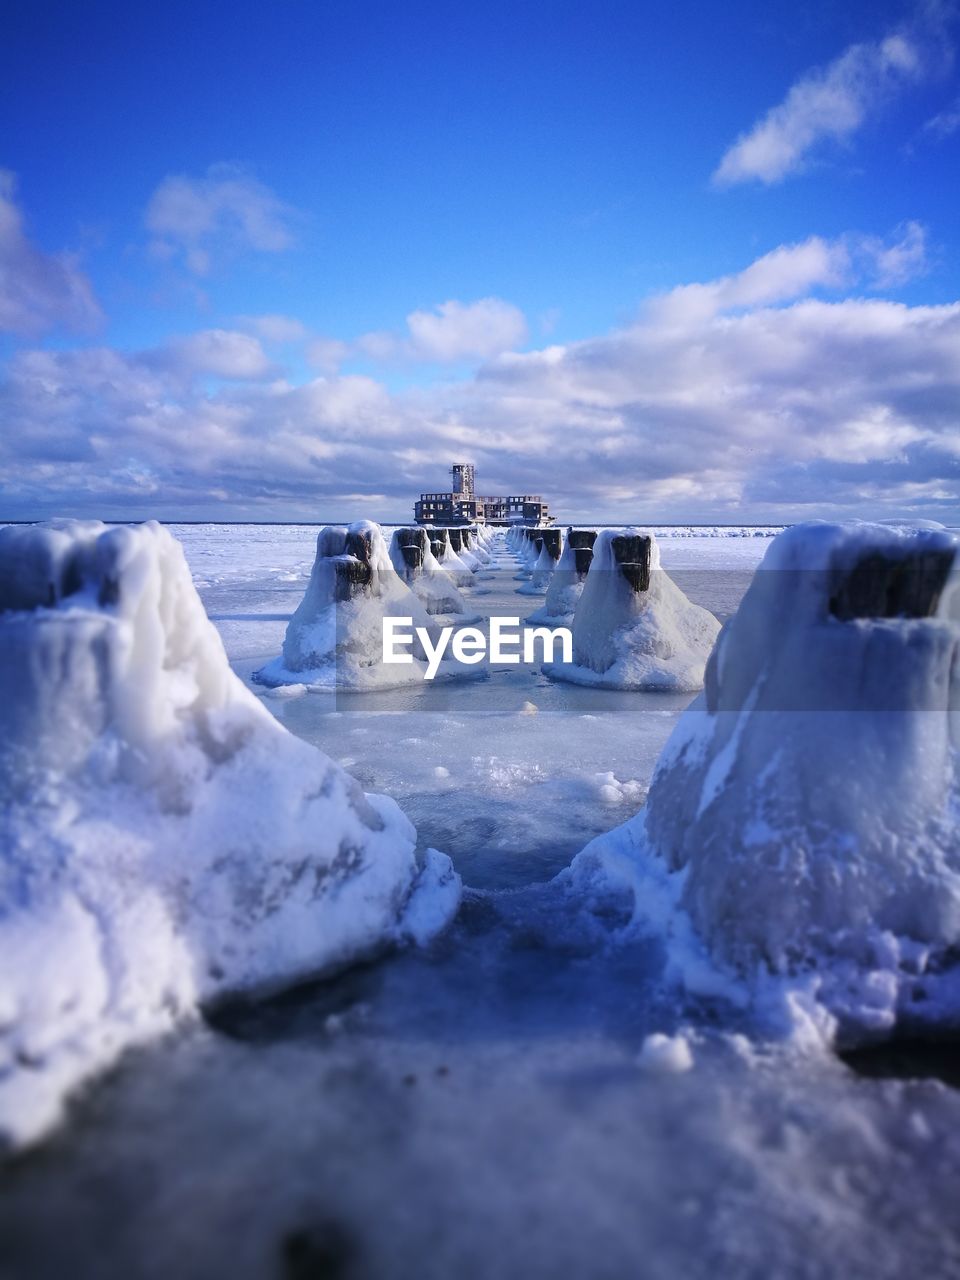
(165, 841)
(564, 589)
(336, 643)
(624, 639)
(430, 583)
(800, 845)
(542, 571)
(452, 563)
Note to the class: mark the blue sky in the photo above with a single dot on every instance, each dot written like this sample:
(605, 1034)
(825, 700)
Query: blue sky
(288, 261)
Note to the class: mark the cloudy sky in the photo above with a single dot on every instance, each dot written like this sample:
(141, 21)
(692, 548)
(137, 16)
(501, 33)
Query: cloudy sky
(691, 262)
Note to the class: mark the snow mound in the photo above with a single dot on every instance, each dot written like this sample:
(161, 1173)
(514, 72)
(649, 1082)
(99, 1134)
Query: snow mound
(633, 627)
(477, 546)
(415, 563)
(801, 832)
(567, 581)
(551, 551)
(335, 638)
(447, 558)
(459, 539)
(165, 841)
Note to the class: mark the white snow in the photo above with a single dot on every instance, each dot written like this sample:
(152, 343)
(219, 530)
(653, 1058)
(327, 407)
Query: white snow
(335, 638)
(543, 569)
(801, 828)
(516, 1046)
(431, 584)
(636, 639)
(460, 572)
(564, 589)
(165, 840)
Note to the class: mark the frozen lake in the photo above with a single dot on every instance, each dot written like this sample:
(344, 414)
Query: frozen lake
(478, 1110)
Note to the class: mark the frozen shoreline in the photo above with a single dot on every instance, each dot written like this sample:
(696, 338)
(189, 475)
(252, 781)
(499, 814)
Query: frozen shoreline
(487, 1108)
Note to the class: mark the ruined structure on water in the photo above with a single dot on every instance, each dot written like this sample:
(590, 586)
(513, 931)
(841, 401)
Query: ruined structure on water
(462, 505)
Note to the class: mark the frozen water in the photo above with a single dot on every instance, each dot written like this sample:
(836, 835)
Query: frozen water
(566, 582)
(485, 1107)
(165, 841)
(335, 637)
(804, 813)
(414, 561)
(633, 628)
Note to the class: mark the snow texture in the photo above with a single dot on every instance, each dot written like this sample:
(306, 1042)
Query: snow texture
(639, 634)
(335, 638)
(450, 562)
(545, 565)
(431, 584)
(564, 589)
(165, 841)
(801, 831)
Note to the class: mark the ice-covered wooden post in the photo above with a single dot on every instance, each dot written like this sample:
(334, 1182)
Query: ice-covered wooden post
(456, 539)
(581, 541)
(166, 843)
(413, 546)
(553, 541)
(352, 567)
(879, 586)
(631, 552)
(809, 799)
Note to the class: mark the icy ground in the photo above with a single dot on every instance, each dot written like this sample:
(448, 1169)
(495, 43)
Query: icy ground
(491, 1108)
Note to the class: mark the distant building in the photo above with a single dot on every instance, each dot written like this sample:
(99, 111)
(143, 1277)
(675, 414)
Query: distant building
(462, 505)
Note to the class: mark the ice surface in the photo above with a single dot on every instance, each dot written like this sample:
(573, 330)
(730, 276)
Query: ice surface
(481, 1107)
(633, 627)
(802, 822)
(164, 840)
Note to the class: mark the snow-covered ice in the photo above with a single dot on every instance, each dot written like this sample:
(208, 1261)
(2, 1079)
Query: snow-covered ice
(335, 638)
(566, 582)
(551, 550)
(633, 628)
(415, 563)
(449, 561)
(501, 1102)
(165, 841)
(801, 831)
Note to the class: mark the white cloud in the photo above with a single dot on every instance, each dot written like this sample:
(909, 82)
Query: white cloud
(218, 353)
(895, 263)
(220, 214)
(327, 354)
(767, 404)
(832, 103)
(792, 271)
(466, 330)
(275, 328)
(786, 272)
(450, 333)
(944, 123)
(38, 291)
